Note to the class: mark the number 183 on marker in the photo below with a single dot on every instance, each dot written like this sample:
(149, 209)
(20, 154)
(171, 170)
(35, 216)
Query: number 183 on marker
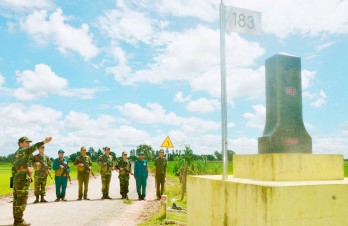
(242, 20)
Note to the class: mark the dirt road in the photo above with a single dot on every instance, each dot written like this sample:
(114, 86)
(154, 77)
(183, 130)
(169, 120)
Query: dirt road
(87, 213)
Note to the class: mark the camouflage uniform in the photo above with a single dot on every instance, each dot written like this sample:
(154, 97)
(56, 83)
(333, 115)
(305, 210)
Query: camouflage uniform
(40, 176)
(83, 175)
(161, 169)
(124, 176)
(22, 180)
(105, 172)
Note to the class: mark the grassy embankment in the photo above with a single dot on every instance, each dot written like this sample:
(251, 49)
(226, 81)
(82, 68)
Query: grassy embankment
(5, 174)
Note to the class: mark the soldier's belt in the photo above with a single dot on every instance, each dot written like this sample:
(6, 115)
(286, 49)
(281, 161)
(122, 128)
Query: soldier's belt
(22, 170)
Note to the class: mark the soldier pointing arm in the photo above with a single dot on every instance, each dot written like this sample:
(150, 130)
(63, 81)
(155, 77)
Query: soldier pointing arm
(22, 177)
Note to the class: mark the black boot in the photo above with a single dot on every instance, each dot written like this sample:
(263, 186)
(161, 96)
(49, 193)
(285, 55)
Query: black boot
(107, 196)
(57, 199)
(43, 199)
(21, 223)
(37, 199)
(103, 197)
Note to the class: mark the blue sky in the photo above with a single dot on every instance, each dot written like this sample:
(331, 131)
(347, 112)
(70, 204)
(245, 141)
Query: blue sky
(122, 73)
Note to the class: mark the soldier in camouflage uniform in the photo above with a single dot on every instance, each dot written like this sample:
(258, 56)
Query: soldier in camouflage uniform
(41, 172)
(83, 172)
(124, 168)
(22, 177)
(106, 165)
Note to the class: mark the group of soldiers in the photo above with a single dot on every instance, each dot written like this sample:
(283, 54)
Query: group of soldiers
(25, 163)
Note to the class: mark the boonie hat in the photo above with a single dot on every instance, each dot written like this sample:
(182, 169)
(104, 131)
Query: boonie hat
(22, 139)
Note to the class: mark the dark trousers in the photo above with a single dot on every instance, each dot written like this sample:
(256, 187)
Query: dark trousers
(160, 180)
(61, 183)
(83, 179)
(141, 186)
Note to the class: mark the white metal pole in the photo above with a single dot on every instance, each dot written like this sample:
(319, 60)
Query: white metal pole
(223, 92)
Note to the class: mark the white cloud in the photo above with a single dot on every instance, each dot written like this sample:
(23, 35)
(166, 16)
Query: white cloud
(204, 10)
(257, 119)
(321, 101)
(54, 29)
(330, 145)
(192, 53)
(69, 131)
(203, 105)
(18, 120)
(318, 49)
(312, 17)
(156, 114)
(82, 93)
(40, 82)
(307, 78)
(240, 83)
(19, 6)
(231, 125)
(179, 97)
(125, 24)
(43, 81)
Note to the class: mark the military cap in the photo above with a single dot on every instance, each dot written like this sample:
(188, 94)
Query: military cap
(141, 153)
(161, 150)
(106, 148)
(60, 151)
(83, 148)
(22, 139)
(124, 153)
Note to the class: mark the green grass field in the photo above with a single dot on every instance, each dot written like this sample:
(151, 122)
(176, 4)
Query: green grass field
(5, 174)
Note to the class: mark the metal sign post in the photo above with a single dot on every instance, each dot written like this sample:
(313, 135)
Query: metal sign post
(223, 91)
(241, 21)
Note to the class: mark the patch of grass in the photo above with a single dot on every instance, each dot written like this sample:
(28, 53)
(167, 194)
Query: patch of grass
(127, 201)
(6, 173)
(173, 191)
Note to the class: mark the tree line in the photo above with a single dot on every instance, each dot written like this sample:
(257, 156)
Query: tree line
(149, 152)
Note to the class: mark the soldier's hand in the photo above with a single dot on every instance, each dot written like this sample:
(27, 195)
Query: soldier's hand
(105, 163)
(37, 163)
(121, 168)
(81, 164)
(61, 166)
(47, 140)
(113, 168)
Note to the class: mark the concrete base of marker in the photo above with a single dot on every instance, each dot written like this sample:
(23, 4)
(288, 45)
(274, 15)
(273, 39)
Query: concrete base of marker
(244, 202)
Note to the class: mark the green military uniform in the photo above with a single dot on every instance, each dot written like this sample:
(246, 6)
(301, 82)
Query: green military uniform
(40, 176)
(22, 179)
(105, 172)
(161, 170)
(124, 176)
(83, 175)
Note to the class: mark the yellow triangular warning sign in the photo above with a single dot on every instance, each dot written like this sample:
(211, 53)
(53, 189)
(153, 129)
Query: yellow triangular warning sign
(167, 143)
